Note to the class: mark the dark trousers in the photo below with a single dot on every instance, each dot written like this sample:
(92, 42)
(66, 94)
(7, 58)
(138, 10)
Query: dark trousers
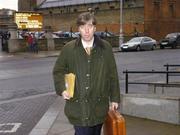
(94, 130)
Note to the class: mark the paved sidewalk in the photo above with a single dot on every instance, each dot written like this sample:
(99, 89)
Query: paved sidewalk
(40, 54)
(54, 122)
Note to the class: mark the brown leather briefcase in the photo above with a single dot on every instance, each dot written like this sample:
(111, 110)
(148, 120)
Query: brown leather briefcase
(114, 124)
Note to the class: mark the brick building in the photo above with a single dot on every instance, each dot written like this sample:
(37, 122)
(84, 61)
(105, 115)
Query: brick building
(161, 17)
(28, 5)
(61, 14)
(154, 18)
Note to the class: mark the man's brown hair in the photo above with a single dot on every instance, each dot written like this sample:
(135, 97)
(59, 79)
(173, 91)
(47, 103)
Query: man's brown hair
(85, 17)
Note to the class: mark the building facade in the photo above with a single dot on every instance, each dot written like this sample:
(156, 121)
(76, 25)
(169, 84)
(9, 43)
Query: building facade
(161, 17)
(153, 18)
(6, 19)
(6, 25)
(27, 5)
(61, 15)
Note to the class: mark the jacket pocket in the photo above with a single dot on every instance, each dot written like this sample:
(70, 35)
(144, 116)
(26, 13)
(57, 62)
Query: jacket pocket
(101, 107)
(72, 109)
(105, 90)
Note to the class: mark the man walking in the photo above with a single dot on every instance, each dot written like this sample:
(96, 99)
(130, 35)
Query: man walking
(96, 80)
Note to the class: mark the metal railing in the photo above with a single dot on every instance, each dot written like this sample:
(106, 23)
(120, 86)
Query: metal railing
(167, 72)
(167, 69)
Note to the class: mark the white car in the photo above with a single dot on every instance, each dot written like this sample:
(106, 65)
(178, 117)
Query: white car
(139, 43)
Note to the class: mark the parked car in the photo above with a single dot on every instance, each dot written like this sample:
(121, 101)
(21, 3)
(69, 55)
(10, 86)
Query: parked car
(55, 36)
(65, 34)
(77, 33)
(171, 40)
(103, 34)
(139, 43)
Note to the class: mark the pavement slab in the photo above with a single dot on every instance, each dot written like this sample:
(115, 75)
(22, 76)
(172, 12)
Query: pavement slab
(134, 125)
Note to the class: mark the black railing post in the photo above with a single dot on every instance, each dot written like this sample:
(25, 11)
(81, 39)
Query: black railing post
(126, 82)
(167, 74)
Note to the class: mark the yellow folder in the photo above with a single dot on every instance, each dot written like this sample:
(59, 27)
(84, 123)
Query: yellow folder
(70, 82)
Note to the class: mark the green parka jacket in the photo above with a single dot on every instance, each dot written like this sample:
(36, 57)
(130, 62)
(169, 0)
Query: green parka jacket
(96, 81)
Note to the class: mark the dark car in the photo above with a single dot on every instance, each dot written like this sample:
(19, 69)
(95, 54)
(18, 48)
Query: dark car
(103, 34)
(65, 34)
(171, 40)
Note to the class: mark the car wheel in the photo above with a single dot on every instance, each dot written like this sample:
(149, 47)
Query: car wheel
(178, 41)
(173, 45)
(161, 47)
(138, 48)
(153, 47)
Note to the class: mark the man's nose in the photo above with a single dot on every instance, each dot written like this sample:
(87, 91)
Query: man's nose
(86, 29)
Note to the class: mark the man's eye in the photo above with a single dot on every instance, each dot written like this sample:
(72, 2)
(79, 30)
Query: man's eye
(90, 25)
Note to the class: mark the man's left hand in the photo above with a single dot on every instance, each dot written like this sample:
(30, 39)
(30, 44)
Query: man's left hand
(114, 106)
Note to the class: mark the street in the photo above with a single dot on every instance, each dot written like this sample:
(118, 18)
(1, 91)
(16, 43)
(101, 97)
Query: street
(146, 61)
(27, 91)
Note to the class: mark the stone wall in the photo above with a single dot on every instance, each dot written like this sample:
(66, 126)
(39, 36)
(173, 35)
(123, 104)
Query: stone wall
(22, 46)
(150, 106)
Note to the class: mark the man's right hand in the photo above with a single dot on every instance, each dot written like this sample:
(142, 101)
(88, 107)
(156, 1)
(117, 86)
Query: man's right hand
(65, 95)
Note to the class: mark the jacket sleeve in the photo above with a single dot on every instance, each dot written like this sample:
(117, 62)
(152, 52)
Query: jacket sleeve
(114, 81)
(59, 71)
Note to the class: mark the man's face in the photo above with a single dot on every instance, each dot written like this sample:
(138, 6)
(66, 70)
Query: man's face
(87, 31)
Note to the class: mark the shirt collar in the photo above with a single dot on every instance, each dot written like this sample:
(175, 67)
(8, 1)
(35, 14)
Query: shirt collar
(97, 42)
(85, 45)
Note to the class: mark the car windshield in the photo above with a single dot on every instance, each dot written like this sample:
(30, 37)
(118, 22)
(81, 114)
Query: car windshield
(171, 35)
(135, 40)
